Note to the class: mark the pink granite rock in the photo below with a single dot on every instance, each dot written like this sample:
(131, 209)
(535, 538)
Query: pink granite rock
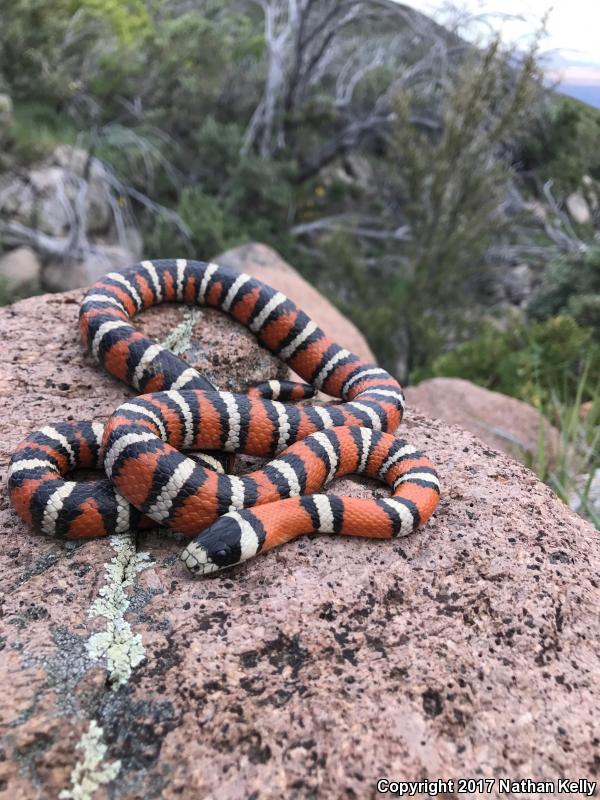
(467, 649)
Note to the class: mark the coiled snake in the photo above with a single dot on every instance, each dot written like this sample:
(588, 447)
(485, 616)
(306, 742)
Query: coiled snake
(232, 518)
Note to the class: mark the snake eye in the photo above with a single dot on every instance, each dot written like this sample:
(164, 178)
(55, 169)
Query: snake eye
(221, 555)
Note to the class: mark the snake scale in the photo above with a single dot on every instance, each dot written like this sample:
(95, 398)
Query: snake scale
(228, 518)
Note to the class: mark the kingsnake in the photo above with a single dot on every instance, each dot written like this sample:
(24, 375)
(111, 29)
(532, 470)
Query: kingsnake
(150, 482)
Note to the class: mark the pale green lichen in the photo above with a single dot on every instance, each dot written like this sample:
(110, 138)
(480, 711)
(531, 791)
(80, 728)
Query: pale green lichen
(122, 649)
(90, 772)
(179, 340)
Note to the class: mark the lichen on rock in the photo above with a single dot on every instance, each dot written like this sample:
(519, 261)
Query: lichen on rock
(179, 339)
(90, 772)
(122, 648)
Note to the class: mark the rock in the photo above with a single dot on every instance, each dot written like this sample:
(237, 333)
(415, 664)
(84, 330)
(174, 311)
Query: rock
(21, 269)
(6, 109)
(74, 161)
(578, 208)
(469, 648)
(40, 199)
(44, 196)
(264, 263)
(502, 422)
(44, 199)
(60, 276)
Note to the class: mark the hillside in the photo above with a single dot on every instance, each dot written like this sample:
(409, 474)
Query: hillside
(580, 91)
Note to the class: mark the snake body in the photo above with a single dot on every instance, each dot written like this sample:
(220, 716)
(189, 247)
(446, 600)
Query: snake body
(233, 518)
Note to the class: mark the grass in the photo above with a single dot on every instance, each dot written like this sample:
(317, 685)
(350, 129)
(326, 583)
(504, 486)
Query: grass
(570, 470)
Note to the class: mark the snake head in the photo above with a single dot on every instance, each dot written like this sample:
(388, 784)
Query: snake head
(220, 545)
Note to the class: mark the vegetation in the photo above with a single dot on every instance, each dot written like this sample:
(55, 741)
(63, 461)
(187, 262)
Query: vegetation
(571, 470)
(553, 365)
(529, 361)
(561, 144)
(571, 286)
(451, 187)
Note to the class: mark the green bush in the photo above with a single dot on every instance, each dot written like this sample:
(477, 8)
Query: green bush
(570, 285)
(259, 194)
(206, 221)
(38, 128)
(7, 293)
(562, 143)
(450, 187)
(528, 361)
(216, 146)
(586, 310)
(341, 272)
(129, 21)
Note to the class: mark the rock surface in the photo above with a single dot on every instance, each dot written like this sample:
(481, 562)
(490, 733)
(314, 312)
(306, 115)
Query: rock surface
(468, 649)
(578, 209)
(21, 269)
(498, 420)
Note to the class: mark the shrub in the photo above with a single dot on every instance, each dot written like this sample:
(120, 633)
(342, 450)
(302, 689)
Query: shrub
(206, 221)
(129, 21)
(530, 362)
(571, 285)
(577, 459)
(216, 148)
(37, 130)
(355, 286)
(7, 293)
(562, 143)
(259, 194)
(450, 185)
(585, 308)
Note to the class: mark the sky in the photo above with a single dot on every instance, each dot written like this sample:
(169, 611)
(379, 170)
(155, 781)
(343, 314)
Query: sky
(572, 46)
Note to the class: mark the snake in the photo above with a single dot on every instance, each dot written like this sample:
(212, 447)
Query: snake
(150, 481)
